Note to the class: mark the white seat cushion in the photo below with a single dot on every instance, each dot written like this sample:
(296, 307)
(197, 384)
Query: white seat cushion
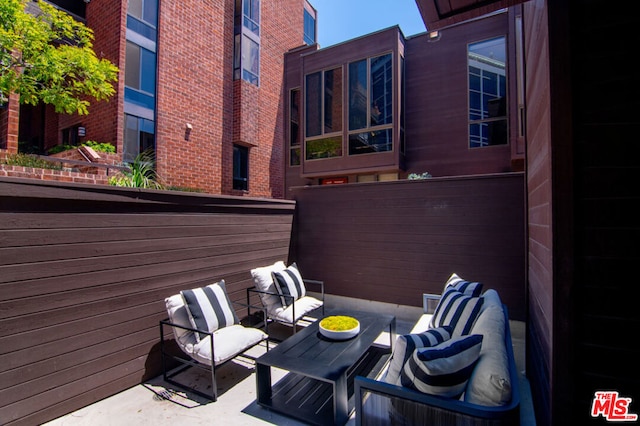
(303, 306)
(227, 343)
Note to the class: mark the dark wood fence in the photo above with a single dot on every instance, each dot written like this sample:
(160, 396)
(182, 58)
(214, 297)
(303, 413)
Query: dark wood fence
(393, 241)
(84, 271)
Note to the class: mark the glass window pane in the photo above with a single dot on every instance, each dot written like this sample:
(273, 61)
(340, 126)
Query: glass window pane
(294, 118)
(132, 68)
(323, 148)
(251, 12)
(240, 167)
(381, 90)
(148, 71)
(131, 147)
(370, 142)
(333, 100)
(295, 157)
(250, 60)
(135, 8)
(487, 93)
(309, 28)
(151, 12)
(358, 95)
(313, 104)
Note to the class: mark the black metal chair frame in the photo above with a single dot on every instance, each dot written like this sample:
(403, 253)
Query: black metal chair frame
(190, 362)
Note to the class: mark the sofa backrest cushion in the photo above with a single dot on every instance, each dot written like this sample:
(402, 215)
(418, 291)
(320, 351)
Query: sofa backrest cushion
(406, 344)
(289, 283)
(209, 308)
(443, 369)
(490, 383)
(458, 311)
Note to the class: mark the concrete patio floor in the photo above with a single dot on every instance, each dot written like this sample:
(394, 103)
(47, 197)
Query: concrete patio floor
(158, 403)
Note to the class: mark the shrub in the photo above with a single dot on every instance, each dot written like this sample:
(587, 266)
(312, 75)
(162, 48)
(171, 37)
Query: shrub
(60, 148)
(26, 160)
(101, 146)
(141, 174)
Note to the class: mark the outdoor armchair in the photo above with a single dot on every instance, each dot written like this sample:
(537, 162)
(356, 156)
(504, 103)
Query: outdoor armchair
(206, 329)
(283, 293)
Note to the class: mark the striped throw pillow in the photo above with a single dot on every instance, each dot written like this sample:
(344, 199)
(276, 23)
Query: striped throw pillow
(458, 311)
(209, 308)
(443, 369)
(289, 283)
(467, 287)
(406, 344)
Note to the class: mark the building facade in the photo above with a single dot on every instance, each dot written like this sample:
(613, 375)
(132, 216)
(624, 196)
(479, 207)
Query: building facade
(382, 106)
(200, 85)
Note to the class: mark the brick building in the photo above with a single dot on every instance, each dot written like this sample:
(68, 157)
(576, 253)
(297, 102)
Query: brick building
(200, 83)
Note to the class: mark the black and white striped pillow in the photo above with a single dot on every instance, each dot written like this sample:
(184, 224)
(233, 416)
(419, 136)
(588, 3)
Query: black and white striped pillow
(458, 311)
(407, 343)
(470, 288)
(209, 308)
(289, 283)
(443, 369)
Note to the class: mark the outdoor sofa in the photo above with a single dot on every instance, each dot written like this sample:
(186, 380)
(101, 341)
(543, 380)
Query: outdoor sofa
(440, 374)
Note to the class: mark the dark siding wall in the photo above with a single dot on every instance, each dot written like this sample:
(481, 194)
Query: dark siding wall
(393, 241)
(539, 181)
(84, 271)
(437, 103)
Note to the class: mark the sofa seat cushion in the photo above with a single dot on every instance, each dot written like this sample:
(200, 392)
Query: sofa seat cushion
(303, 306)
(443, 369)
(406, 344)
(490, 383)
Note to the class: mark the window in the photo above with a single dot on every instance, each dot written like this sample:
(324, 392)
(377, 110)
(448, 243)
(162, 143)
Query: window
(140, 78)
(139, 136)
(309, 28)
(487, 93)
(246, 60)
(240, 167)
(323, 107)
(371, 105)
(294, 128)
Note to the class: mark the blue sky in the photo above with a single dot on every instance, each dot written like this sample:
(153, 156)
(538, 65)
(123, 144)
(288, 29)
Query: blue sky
(342, 20)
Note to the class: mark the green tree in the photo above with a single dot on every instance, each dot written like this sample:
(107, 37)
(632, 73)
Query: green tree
(48, 57)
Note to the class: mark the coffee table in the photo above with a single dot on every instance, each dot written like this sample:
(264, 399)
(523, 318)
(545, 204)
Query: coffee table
(319, 387)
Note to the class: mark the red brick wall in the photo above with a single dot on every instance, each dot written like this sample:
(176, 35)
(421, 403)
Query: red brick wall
(107, 19)
(195, 85)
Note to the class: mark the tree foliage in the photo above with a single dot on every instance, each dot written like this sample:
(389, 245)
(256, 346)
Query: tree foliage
(48, 57)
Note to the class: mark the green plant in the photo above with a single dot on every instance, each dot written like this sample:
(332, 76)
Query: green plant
(141, 173)
(60, 148)
(417, 176)
(26, 160)
(101, 146)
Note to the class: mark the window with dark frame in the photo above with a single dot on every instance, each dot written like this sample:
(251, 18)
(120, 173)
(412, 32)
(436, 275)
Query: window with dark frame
(370, 94)
(294, 128)
(323, 114)
(487, 93)
(246, 59)
(309, 28)
(240, 167)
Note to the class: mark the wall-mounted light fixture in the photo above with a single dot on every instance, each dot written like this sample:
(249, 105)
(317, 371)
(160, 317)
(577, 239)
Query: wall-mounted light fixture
(187, 131)
(433, 36)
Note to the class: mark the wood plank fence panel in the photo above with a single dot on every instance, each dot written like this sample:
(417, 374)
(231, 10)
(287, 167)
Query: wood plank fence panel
(84, 271)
